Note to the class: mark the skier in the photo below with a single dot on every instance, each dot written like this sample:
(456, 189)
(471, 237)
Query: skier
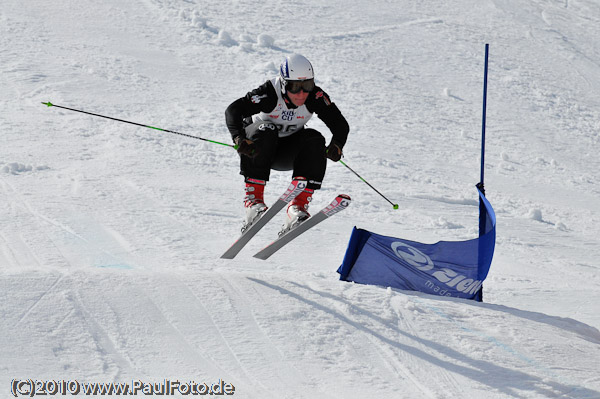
(268, 126)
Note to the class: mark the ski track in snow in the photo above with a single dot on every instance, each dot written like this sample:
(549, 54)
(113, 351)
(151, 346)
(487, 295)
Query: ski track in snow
(110, 235)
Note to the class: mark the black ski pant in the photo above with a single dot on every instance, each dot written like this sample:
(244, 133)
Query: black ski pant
(303, 152)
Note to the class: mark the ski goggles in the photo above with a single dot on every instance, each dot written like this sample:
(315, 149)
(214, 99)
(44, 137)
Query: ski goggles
(294, 86)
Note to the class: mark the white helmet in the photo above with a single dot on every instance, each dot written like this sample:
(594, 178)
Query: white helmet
(296, 67)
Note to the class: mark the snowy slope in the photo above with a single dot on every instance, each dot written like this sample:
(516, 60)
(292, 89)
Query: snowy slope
(110, 234)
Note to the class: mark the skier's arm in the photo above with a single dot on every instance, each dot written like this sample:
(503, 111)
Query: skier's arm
(261, 99)
(330, 114)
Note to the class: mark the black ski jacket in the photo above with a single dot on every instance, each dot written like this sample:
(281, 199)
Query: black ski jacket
(265, 99)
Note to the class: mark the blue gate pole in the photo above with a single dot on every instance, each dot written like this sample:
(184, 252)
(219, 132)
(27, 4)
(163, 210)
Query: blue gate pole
(480, 186)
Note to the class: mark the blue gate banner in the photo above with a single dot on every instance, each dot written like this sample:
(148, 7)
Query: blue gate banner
(446, 268)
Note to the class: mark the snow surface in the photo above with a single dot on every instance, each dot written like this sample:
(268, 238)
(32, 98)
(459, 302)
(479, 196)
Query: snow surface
(110, 234)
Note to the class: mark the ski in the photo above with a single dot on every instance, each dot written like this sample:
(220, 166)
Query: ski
(340, 203)
(296, 187)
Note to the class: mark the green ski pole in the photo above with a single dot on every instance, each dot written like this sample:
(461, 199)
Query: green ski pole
(361, 178)
(49, 104)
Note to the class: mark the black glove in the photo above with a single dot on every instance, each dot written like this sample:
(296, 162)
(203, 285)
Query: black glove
(245, 147)
(334, 151)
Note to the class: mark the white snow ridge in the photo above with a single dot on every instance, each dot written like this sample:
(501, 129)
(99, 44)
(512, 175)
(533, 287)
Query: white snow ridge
(110, 234)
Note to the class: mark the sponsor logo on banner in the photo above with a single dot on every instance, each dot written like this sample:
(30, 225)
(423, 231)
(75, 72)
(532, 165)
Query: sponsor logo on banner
(412, 256)
(448, 277)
